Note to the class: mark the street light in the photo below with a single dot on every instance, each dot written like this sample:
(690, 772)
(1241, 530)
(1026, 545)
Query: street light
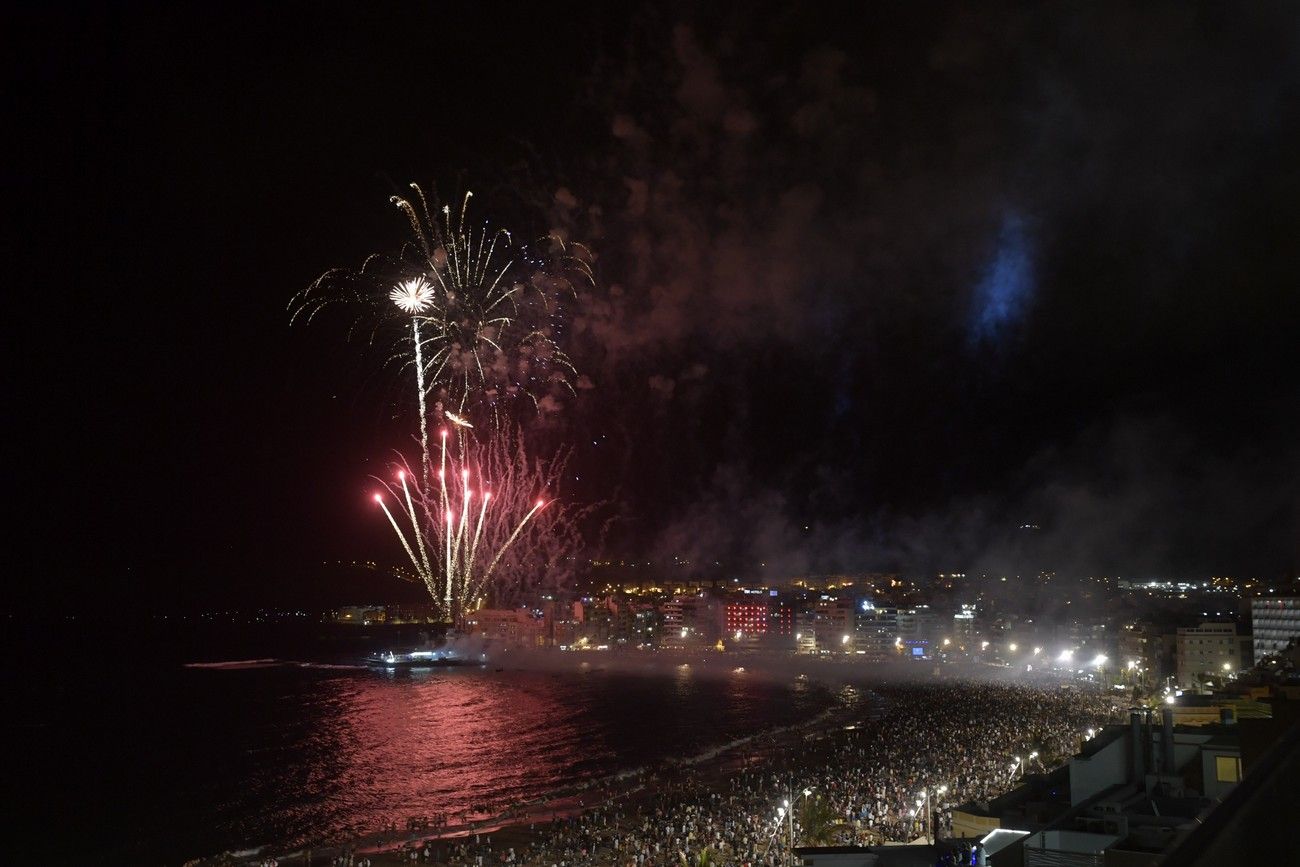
(1012, 647)
(922, 805)
(1037, 650)
(786, 812)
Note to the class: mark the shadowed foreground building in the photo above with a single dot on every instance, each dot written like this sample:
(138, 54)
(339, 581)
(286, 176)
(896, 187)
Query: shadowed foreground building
(1136, 795)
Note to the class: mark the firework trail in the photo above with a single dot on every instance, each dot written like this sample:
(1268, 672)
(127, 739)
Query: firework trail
(413, 297)
(476, 318)
(479, 316)
(481, 531)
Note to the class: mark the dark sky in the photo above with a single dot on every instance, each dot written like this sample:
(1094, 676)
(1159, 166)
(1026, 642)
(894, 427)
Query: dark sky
(874, 291)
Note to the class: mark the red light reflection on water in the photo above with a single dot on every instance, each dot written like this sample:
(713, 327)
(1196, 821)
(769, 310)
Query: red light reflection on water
(453, 743)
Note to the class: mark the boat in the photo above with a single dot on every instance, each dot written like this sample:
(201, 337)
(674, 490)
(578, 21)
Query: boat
(440, 658)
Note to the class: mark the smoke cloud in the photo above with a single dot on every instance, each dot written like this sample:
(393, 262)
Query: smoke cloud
(946, 277)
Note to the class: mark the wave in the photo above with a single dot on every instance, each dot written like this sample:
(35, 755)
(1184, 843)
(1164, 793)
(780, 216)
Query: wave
(272, 662)
(235, 664)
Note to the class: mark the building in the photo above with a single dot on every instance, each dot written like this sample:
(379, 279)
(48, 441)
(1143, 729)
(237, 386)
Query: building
(915, 855)
(1140, 652)
(875, 628)
(1207, 652)
(753, 621)
(826, 626)
(1274, 623)
(1132, 793)
(673, 612)
(963, 623)
(361, 615)
(917, 624)
(692, 621)
(514, 626)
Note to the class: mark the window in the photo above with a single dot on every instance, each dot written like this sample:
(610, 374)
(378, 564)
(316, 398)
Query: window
(1227, 769)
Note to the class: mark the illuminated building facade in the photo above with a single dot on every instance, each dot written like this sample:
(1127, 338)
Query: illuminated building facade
(1274, 623)
(1211, 649)
(751, 621)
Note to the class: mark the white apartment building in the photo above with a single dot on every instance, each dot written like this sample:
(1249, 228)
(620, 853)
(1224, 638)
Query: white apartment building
(1211, 648)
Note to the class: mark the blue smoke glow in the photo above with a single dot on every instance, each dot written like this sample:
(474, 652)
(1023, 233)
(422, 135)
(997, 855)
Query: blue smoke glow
(1002, 294)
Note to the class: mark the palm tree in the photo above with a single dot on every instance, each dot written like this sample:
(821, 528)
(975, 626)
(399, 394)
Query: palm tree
(818, 821)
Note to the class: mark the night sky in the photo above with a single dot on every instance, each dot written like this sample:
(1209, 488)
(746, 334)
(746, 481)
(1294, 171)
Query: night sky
(873, 291)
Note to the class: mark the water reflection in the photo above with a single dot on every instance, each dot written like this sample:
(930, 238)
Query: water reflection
(355, 751)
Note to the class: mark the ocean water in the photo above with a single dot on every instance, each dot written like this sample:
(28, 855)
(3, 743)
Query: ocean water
(156, 746)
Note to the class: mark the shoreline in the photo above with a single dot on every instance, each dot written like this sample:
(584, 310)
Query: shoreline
(519, 823)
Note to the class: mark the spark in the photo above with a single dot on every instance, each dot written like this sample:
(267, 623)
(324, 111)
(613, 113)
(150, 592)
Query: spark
(476, 531)
(480, 314)
(412, 296)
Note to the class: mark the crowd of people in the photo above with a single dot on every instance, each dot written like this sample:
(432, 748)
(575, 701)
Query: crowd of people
(889, 767)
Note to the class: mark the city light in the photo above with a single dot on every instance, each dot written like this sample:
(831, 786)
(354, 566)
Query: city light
(1013, 647)
(1066, 656)
(1099, 660)
(1037, 650)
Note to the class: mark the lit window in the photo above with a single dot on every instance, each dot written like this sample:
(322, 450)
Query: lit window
(1227, 769)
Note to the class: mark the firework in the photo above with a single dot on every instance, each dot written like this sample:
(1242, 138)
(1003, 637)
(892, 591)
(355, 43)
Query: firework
(412, 296)
(488, 527)
(477, 316)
